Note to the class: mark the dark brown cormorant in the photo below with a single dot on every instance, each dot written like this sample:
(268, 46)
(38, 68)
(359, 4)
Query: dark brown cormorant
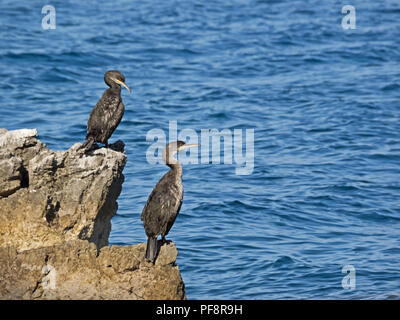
(108, 112)
(165, 200)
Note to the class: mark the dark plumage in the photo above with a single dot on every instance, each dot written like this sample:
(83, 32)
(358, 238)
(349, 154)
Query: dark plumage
(108, 112)
(165, 200)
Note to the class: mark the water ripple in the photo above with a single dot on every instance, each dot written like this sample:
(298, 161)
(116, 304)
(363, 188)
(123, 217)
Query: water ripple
(323, 103)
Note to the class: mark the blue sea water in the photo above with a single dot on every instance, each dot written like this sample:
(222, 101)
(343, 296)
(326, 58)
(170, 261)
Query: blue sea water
(323, 103)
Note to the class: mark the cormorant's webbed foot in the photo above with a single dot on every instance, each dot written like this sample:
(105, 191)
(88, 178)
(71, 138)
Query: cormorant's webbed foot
(117, 146)
(164, 240)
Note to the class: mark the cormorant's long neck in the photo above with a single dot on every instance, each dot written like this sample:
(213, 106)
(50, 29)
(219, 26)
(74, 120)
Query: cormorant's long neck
(115, 88)
(176, 169)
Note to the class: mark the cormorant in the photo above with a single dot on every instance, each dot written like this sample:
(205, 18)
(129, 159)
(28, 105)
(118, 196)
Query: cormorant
(108, 112)
(165, 200)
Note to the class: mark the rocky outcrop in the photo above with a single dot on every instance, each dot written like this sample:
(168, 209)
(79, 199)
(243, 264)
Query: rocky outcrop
(55, 219)
(51, 197)
(76, 270)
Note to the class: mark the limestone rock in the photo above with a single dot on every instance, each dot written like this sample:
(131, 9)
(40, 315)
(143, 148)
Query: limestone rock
(55, 220)
(49, 197)
(76, 270)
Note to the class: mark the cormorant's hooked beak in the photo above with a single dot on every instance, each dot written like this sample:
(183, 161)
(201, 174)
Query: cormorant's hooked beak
(187, 146)
(121, 83)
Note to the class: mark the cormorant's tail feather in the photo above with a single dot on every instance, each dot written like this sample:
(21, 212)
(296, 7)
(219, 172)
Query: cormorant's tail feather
(152, 249)
(87, 144)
